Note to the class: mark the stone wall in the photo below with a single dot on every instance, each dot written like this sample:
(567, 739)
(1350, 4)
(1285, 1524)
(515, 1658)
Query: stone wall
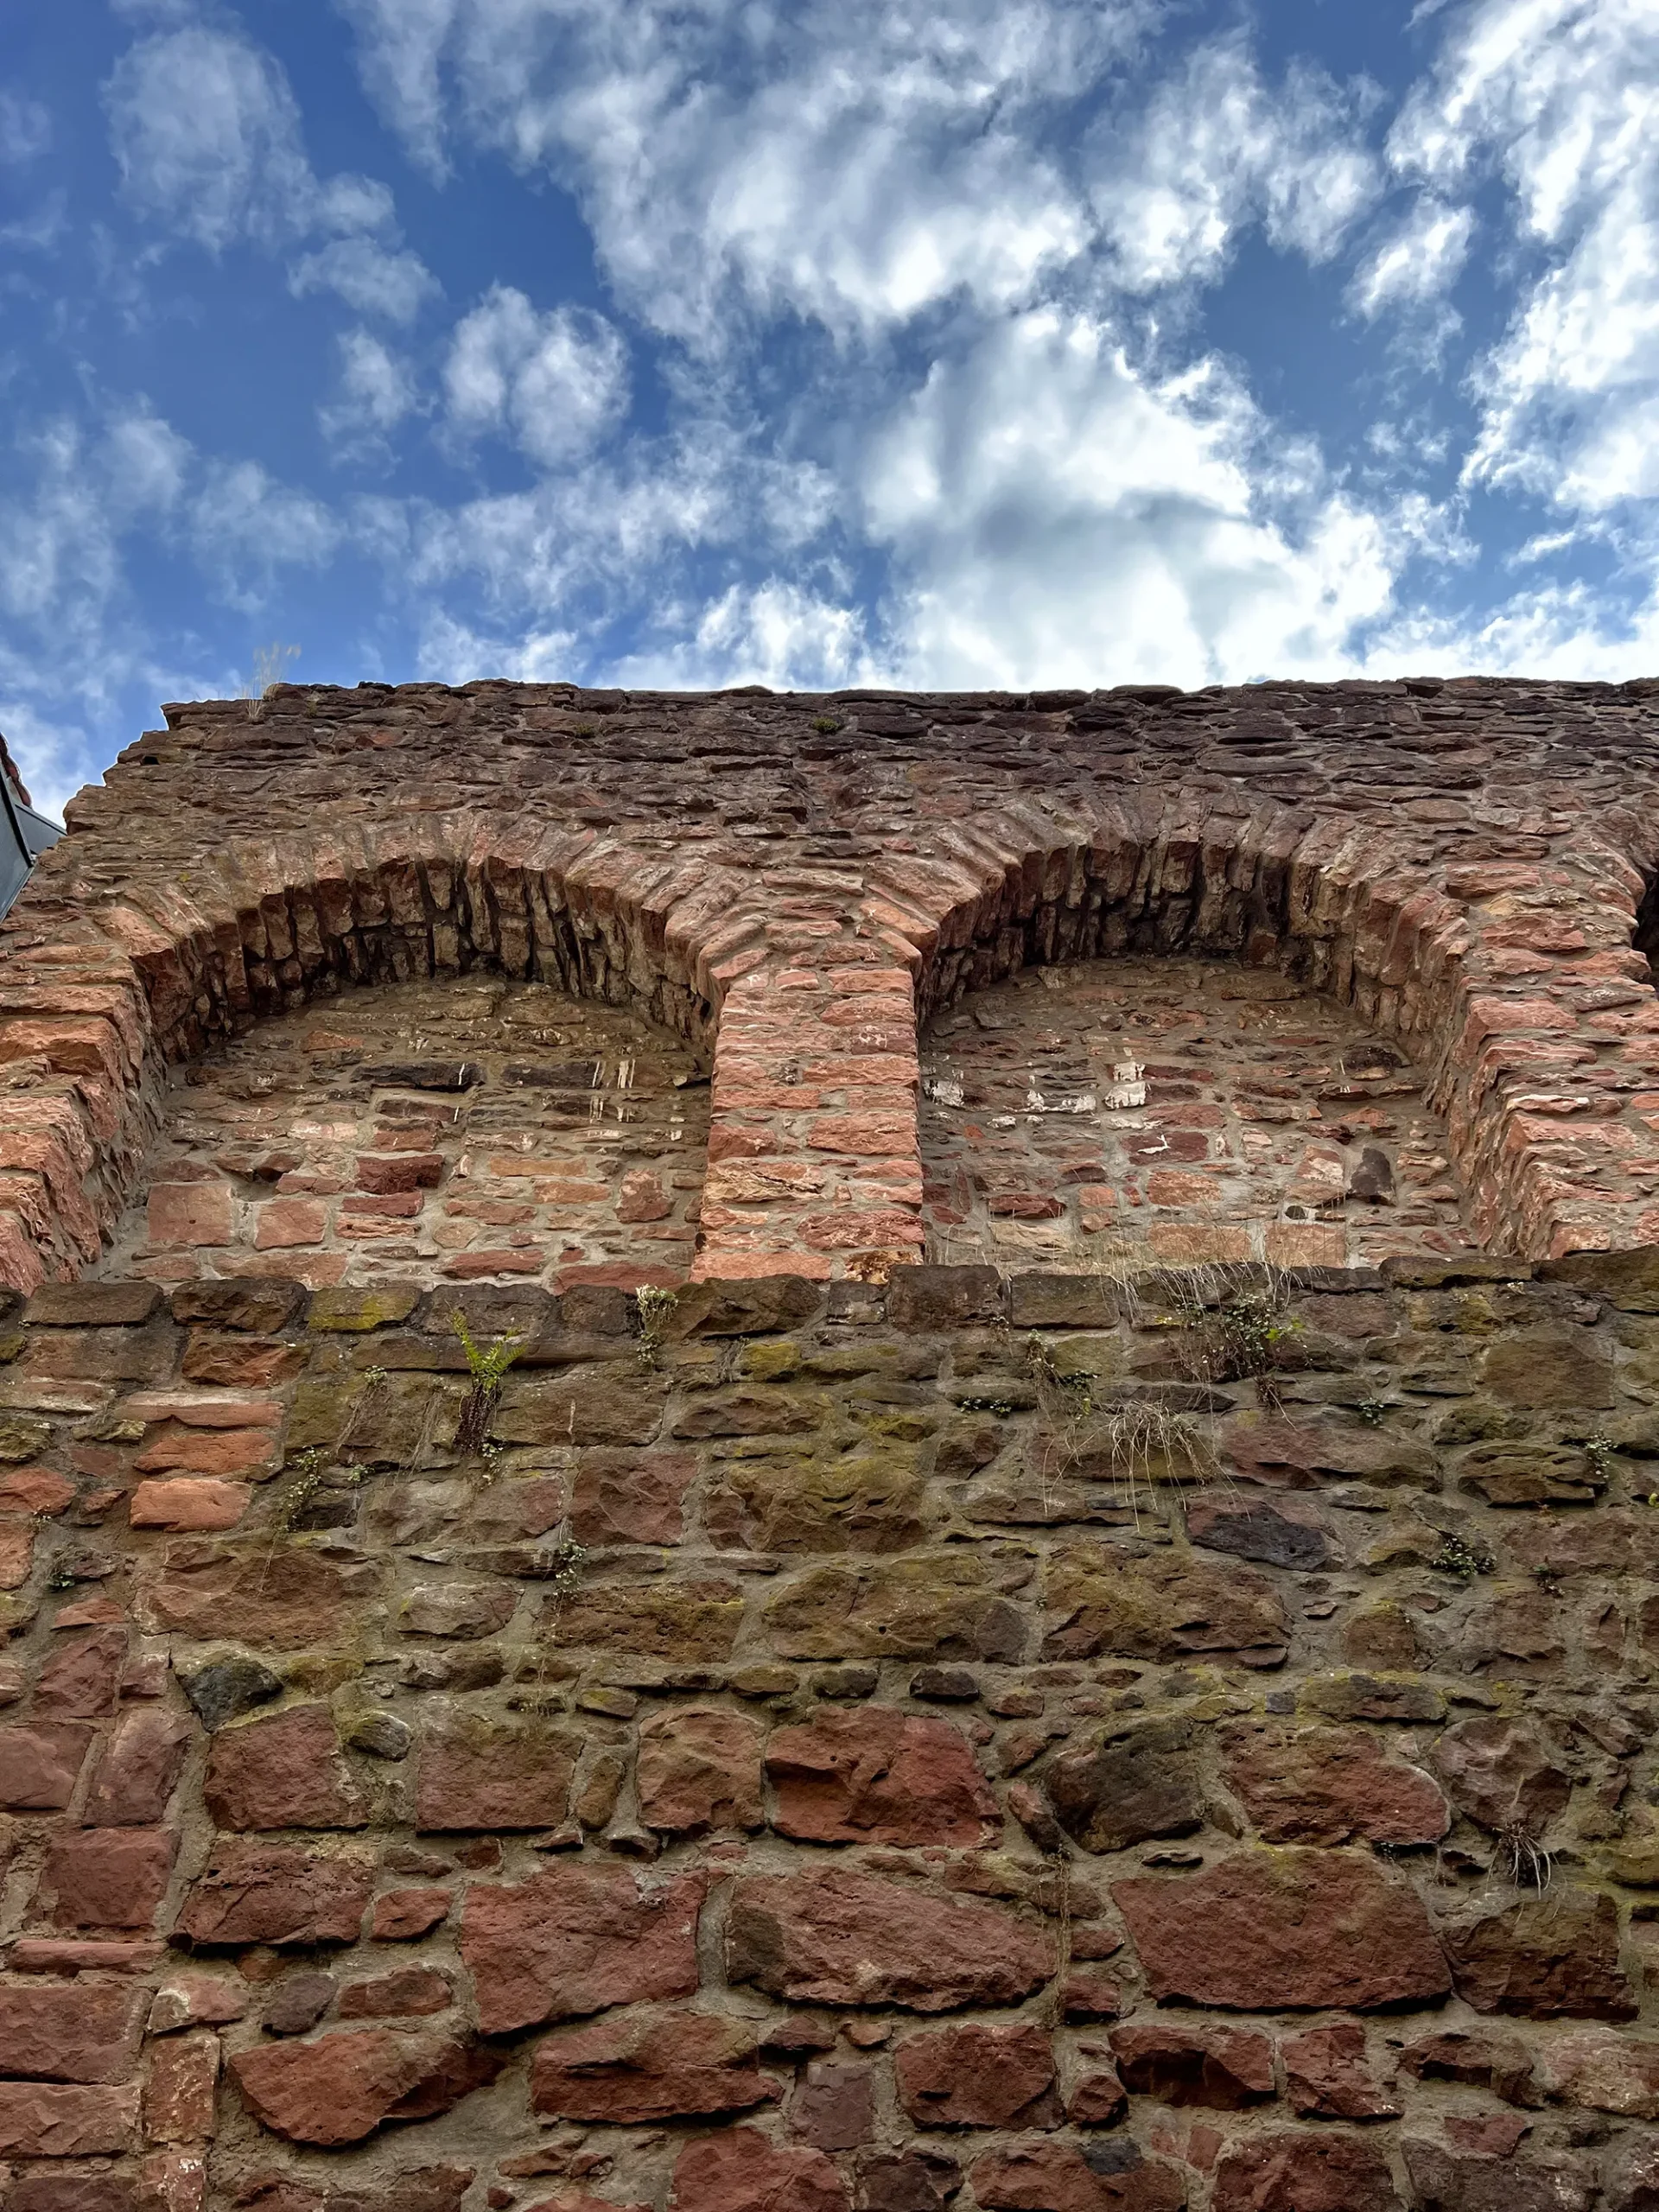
(1017, 1745)
(792, 884)
(448, 1130)
(1177, 1110)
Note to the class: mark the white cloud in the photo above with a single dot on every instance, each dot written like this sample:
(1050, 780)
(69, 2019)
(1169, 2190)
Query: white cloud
(1418, 262)
(244, 526)
(207, 138)
(1057, 519)
(1215, 148)
(1560, 100)
(367, 277)
(377, 390)
(450, 651)
(777, 633)
(855, 160)
(553, 383)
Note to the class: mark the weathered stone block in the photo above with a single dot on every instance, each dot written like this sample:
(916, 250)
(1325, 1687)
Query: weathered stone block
(1270, 1932)
(841, 1937)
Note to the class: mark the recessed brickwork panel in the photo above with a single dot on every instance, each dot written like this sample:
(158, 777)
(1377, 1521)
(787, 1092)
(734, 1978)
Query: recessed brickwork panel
(788, 881)
(1131, 1111)
(473, 1129)
(1014, 1744)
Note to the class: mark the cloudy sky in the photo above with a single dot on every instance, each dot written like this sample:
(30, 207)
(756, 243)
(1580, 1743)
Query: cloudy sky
(819, 342)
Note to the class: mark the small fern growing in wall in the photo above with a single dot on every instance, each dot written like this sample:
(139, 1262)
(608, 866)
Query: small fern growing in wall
(487, 1363)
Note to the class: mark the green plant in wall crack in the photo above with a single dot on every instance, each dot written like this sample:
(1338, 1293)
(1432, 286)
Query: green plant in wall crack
(486, 1364)
(1461, 1560)
(307, 1472)
(656, 1310)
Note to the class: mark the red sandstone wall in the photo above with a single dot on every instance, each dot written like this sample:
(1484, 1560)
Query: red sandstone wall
(788, 880)
(1135, 1112)
(1009, 1747)
(453, 1131)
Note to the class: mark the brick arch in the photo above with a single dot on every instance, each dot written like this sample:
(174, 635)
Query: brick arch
(1469, 965)
(102, 987)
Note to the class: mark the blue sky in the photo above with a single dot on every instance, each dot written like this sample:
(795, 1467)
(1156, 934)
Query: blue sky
(818, 342)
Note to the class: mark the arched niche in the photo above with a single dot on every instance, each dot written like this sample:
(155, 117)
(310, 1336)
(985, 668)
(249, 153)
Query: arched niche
(469, 1128)
(1177, 1110)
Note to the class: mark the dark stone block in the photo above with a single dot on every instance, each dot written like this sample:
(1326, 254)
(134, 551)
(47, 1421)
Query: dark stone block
(228, 1687)
(1046, 1302)
(1412, 1272)
(263, 1304)
(755, 1307)
(597, 1309)
(944, 1298)
(423, 1075)
(490, 1310)
(92, 1305)
(1628, 1281)
(373, 1308)
(945, 1685)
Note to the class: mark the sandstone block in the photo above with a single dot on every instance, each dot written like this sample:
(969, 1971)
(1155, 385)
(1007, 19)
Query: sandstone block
(1503, 1772)
(630, 1497)
(191, 1214)
(38, 2120)
(575, 1940)
(933, 1606)
(179, 2085)
(1328, 2076)
(602, 1405)
(408, 1992)
(344, 2086)
(978, 2076)
(798, 1505)
(843, 1937)
(1277, 1531)
(650, 2065)
(1101, 1602)
(1228, 2069)
(1298, 2169)
(461, 1611)
(285, 1772)
(261, 1305)
(698, 1770)
(1269, 1931)
(908, 2181)
(475, 1771)
(278, 1893)
(91, 1306)
(1610, 2073)
(874, 1775)
(83, 1681)
(833, 2106)
(187, 1502)
(108, 1878)
(737, 2170)
(1110, 2174)
(1445, 2183)
(74, 2031)
(1130, 1784)
(694, 1619)
(1550, 1367)
(1328, 1785)
(40, 1766)
(402, 1915)
(1543, 1958)
(285, 1599)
